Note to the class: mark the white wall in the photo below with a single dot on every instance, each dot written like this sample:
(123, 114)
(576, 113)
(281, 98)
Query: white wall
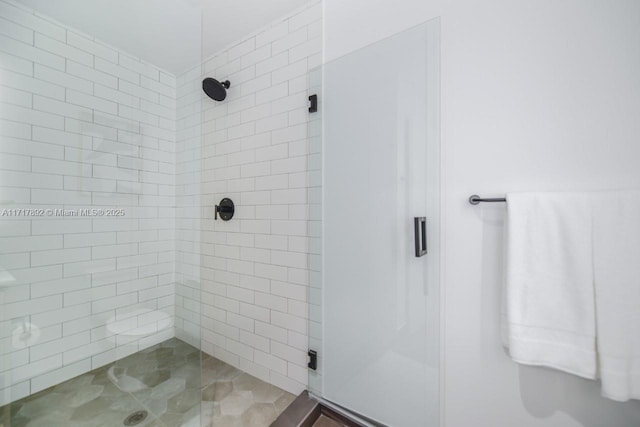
(535, 96)
(255, 268)
(82, 125)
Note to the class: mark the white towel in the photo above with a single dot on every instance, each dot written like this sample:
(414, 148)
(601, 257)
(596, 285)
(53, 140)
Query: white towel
(616, 235)
(549, 299)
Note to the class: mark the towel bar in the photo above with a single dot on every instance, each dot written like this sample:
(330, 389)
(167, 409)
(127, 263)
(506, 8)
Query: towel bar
(475, 199)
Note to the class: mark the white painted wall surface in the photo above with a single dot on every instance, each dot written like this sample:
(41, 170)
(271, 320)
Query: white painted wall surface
(535, 96)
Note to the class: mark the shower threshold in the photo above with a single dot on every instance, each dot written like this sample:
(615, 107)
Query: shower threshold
(306, 411)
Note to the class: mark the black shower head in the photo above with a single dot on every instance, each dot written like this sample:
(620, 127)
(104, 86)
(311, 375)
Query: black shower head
(214, 89)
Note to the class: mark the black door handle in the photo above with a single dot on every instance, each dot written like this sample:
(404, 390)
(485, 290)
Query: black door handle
(420, 235)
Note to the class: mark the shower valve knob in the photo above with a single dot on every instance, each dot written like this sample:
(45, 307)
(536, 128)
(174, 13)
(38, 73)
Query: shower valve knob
(225, 208)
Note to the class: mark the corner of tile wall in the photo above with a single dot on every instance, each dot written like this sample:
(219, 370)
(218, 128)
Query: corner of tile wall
(255, 150)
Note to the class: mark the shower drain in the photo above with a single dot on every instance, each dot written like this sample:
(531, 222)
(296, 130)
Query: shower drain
(135, 418)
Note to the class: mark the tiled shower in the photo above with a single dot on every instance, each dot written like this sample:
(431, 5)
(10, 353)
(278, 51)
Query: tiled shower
(110, 170)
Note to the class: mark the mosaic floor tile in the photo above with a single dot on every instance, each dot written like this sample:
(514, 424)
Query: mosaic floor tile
(174, 382)
(236, 403)
(283, 402)
(259, 414)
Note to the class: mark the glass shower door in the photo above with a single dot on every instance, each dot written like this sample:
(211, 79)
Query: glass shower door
(374, 300)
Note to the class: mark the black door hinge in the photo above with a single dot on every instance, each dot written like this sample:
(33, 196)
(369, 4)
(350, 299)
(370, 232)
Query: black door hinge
(313, 99)
(313, 360)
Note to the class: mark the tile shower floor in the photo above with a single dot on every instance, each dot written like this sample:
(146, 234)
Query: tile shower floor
(169, 381)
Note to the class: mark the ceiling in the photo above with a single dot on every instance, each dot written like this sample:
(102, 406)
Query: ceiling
(172, 34)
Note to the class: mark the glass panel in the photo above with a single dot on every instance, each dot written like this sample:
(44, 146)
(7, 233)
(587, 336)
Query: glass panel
(315, 230)
(99, 294)
(379, 312)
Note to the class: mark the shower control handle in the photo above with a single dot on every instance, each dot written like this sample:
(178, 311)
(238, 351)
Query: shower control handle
(226, 209)
(420, 235)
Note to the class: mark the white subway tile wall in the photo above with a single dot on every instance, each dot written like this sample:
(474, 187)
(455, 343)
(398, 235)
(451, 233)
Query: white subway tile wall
(188, 206)
(84, 125)
(255, 150)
